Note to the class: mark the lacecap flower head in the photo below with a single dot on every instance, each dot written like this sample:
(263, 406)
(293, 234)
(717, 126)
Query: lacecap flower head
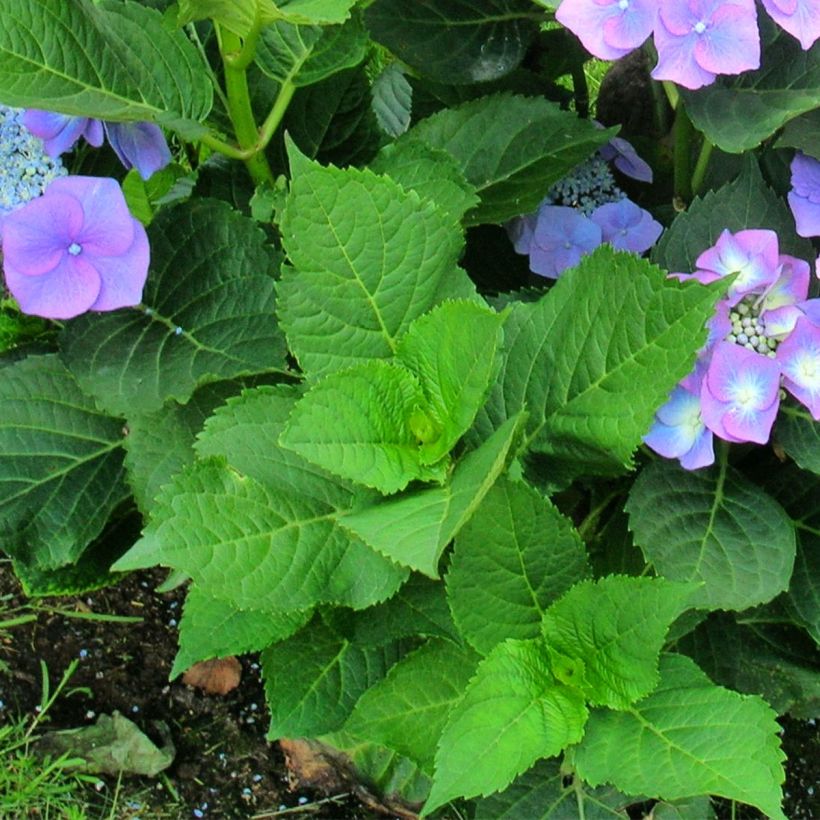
(75, 248)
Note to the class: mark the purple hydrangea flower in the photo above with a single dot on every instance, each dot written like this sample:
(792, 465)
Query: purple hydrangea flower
(59, 132)
(139, 145)
(75, 248)
(626, 226)
(799, 358)
(698, 39)
(804, 197)
(801, 18)
(561, 237)
(679, 431)
(609, 29)
(740, 394)
(624, 157)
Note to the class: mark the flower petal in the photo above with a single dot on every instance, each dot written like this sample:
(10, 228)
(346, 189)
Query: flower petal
(123, 277)
(139, 145)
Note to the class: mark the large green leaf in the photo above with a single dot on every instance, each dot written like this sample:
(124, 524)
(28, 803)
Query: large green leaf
(414, 529)
(115, 61)
(210, 315)
(608, 635)
(738, 113)
(613, 337)
(543, 793)
(455, 41)
(407, 710)
(511, 149)
(747, 202)
(61, 471)
(689, 737)
(213, 628)
(512, 559)
(256, 547)
(303, 55)
(716, 527)
(799, 435)
(513, 713)
(368, 258)
(241, 16)
(313, 680)
(803, 133)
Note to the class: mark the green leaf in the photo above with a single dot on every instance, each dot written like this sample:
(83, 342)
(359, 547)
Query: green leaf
(113, 62)
(773, 660)
(513, 713)
(431, 172)
(540, 794)
(368, 258)
(392, 100)
(213, 628)
(304, 55)
(747, 202)
(160, 444)
(693, 808)
(802, 133)
(407, 710)
(799, 435)
(738, 113)
(511, 149)
(615, 336)
(512, 559)
(614, 628)
(419, 608)
(453, 352)
(240, 16)
(455, 41)
(362, 424)
(314, 12)
(313, 680)
(210, 299)
(689, 737)
(61, 473)
(415, 528)
(716, 527)
(281, 552)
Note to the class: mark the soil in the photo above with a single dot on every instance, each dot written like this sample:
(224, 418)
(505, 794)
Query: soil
(224, 767)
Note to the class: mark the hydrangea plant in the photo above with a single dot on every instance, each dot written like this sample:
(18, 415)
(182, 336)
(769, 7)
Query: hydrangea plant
(492, 428)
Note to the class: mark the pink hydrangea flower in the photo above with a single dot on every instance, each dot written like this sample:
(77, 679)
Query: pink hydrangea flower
(799, 358)
(804, 197)
(801, 18)
(75, 248)
(698, 39)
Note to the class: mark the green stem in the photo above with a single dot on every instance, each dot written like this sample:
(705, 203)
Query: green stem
(683, 132)
(701, 165)
(223, 147)
(580, 91)
(277, 112)
(240, 109)
(594, 514)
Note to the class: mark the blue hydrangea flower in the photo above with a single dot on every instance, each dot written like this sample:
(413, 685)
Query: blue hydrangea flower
(586, 187)
(25, 168)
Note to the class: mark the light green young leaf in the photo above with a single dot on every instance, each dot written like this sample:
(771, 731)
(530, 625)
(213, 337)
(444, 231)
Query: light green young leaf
(613, 629)
(304, 55)
(214, 628)
(688, 738)
(799, 435)
(453, 352)
(512, 559)
(113, 62)
(210, 298)
(407, 710)
(240, 16)
(541, 794)
(595, 357)
(160, 444)
(281, 552)
(313, 680)
(368, 258)
(716, 527)
(513, 713)
(61, 473)
(415, 528)
(511, 149)
(431, 172)
(365, 424)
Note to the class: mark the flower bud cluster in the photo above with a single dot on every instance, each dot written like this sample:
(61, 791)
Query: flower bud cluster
(586, 187)
(25, 168)
(764, 339)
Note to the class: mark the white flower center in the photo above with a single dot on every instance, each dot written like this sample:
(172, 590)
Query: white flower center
(699, 27)
(623, 5)
(74, 249)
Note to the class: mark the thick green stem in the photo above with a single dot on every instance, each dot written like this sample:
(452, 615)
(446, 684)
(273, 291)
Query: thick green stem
(274, 119)
(699, 174)
(240, 109)
(683, 156)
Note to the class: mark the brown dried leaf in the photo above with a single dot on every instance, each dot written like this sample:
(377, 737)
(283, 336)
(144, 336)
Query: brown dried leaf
(217, 676)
